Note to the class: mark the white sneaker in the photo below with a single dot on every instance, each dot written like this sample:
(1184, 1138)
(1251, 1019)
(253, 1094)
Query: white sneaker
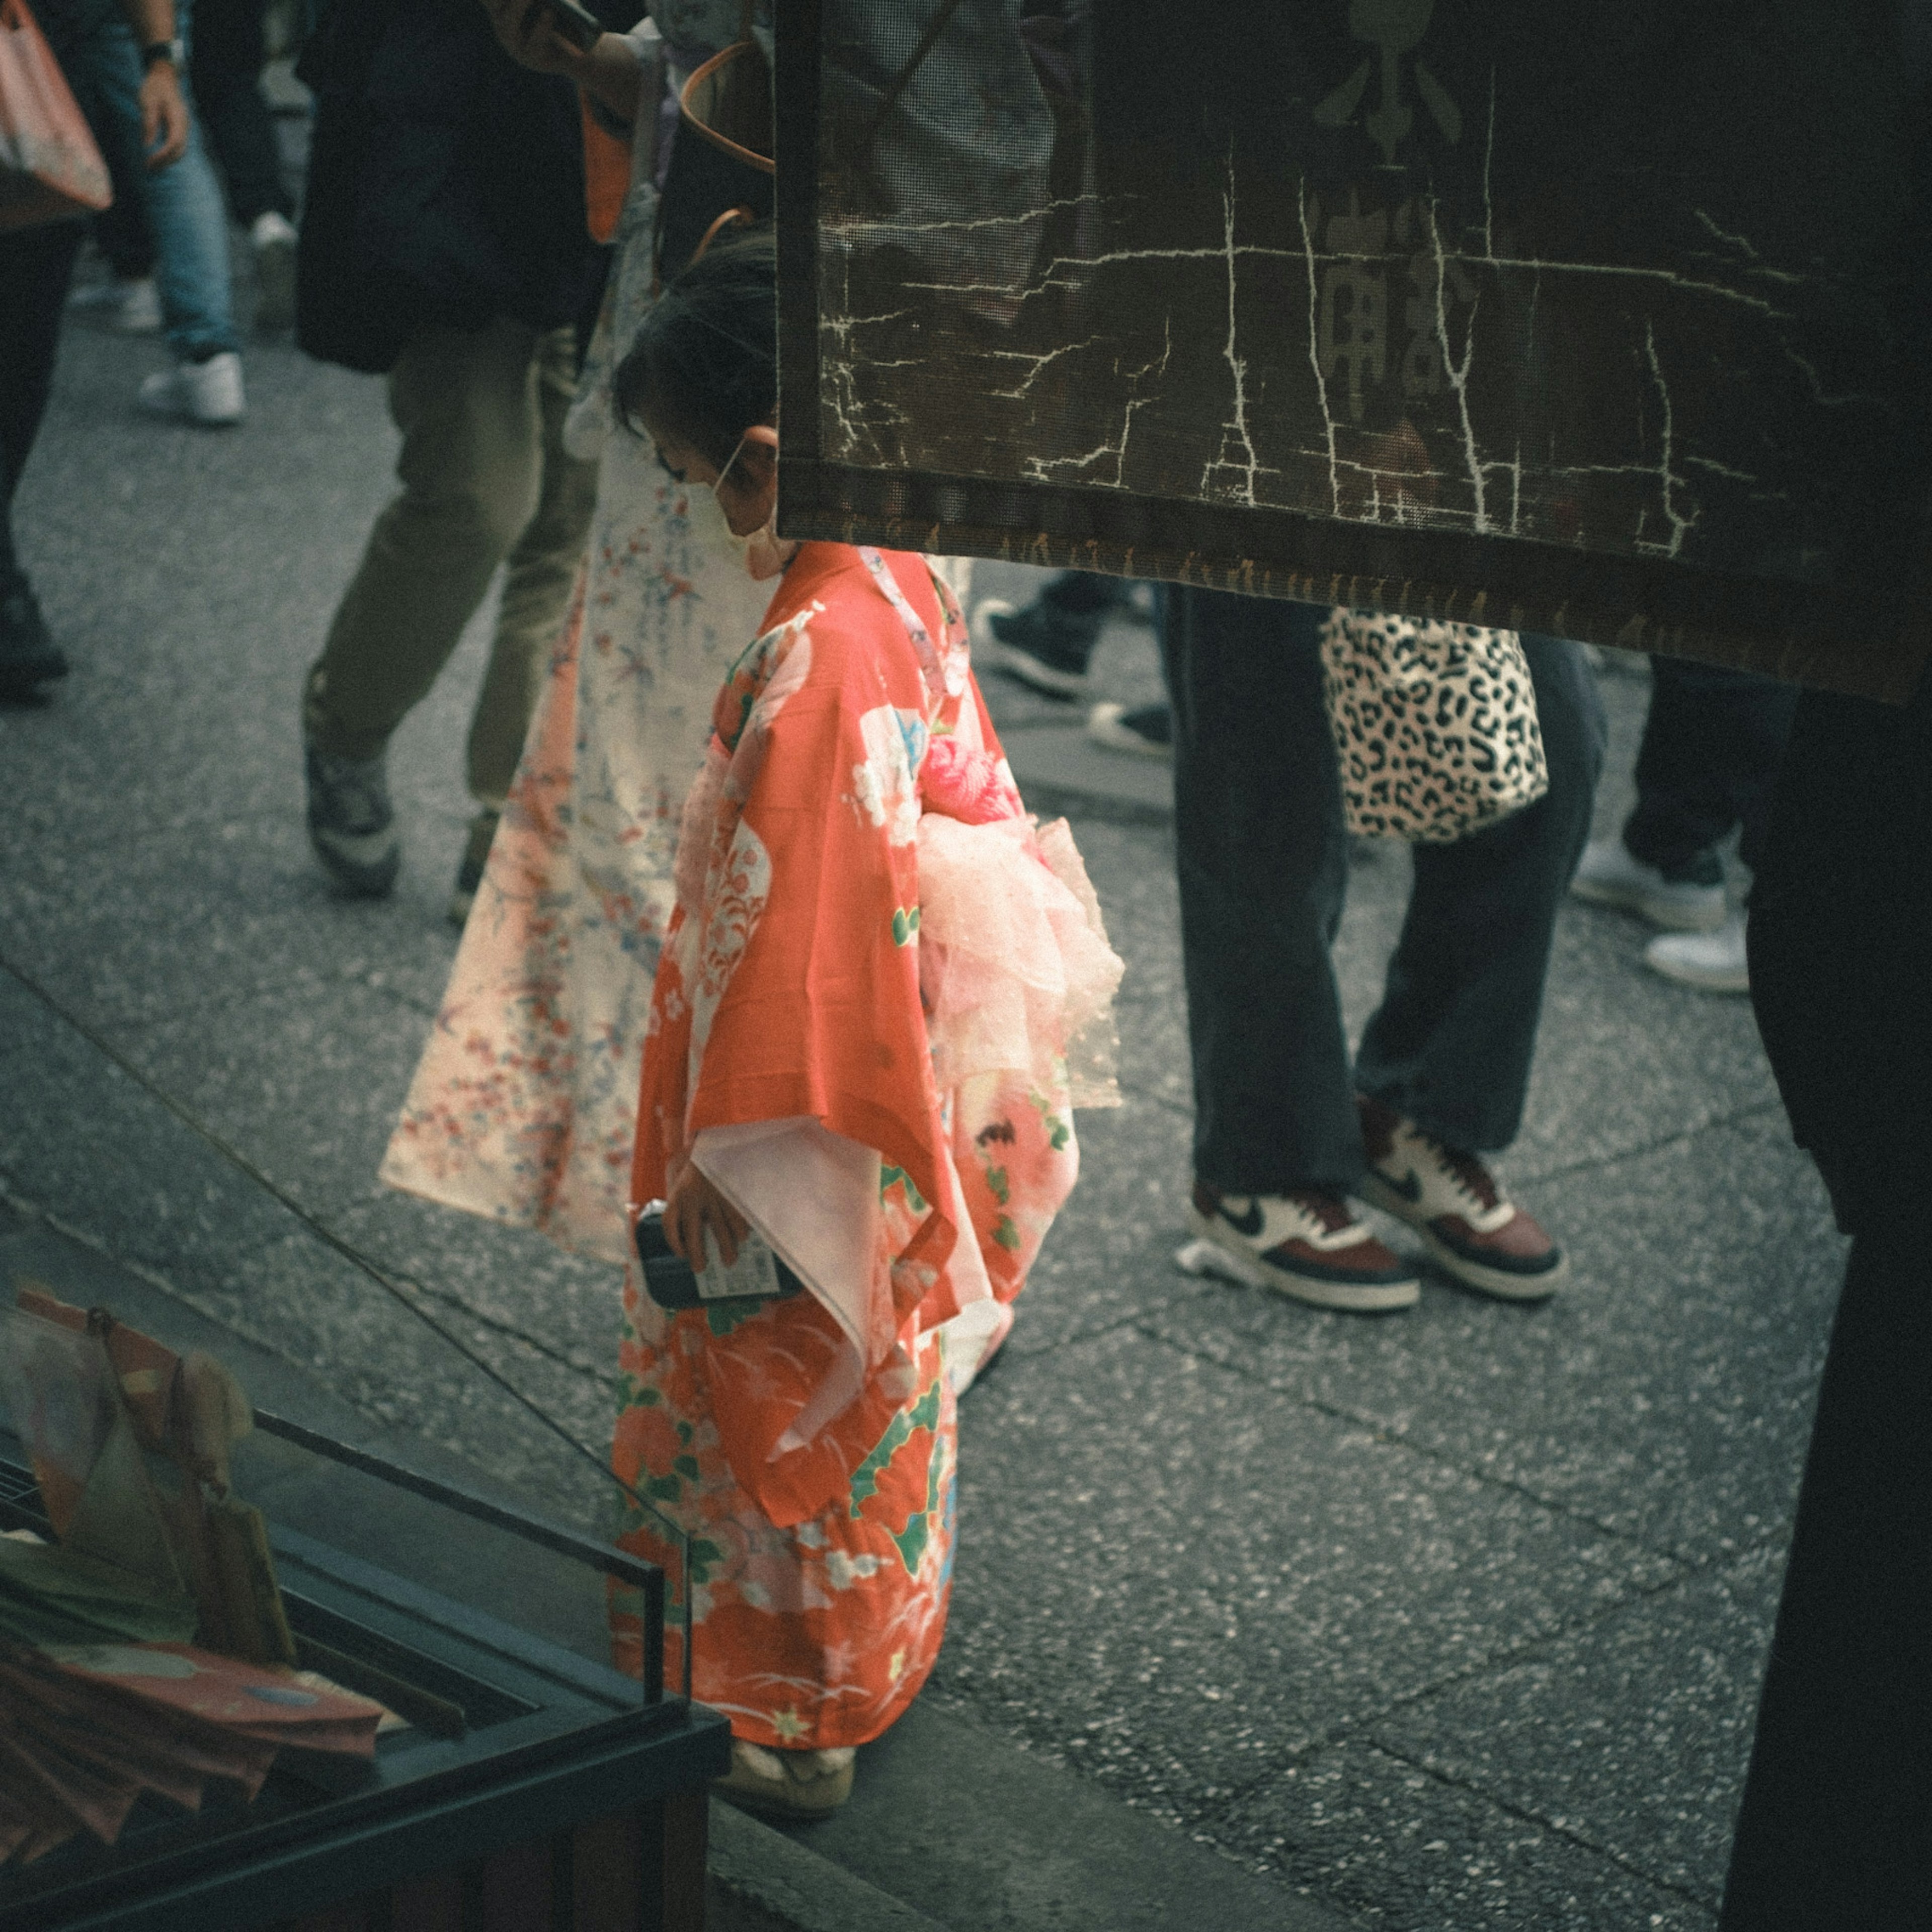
(207, 392)
(1713, 962)
(130, 308)
(1610, 876)
(273, 237)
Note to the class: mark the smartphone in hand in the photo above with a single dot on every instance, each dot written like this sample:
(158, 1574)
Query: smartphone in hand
(581, 29)
(673, 1283)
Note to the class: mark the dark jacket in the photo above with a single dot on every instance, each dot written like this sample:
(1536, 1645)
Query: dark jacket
(445, 183)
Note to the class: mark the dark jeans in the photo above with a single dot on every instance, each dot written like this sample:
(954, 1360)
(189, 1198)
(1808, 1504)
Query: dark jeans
(1708, 761)
(1263, 858)
(36, 265)
(121, 229)
(229, 53)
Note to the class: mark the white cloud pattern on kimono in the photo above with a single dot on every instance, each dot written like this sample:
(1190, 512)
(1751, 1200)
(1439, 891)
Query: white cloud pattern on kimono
(885, 786)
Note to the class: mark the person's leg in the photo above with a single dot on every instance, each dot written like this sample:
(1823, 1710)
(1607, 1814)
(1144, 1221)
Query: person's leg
(1767, 724)
(1444, 1062)
(36, 265)
(1263, 865)
(1450, 1047)
(470, 465)
(1835, 1831)
(121, 229)
(1711, 747)
(230, 50)
(1262, 859)
(183, 203)
(542, 570)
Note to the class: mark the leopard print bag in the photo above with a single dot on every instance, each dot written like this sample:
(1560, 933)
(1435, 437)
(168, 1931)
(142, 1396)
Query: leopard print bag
(1435, 724)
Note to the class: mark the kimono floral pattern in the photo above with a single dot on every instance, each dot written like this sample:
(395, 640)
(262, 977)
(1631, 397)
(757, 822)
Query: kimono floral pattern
(523, 1107)
(821, 1568)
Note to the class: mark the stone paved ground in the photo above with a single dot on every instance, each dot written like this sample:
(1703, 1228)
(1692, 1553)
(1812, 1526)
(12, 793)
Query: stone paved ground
(1452, 1621)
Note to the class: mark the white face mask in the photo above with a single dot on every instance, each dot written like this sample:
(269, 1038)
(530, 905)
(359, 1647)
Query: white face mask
(763, 554)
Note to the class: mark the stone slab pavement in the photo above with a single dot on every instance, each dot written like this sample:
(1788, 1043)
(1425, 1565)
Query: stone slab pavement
(1262, 1616)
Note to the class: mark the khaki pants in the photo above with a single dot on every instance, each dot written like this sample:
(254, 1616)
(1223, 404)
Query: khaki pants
(485, 477)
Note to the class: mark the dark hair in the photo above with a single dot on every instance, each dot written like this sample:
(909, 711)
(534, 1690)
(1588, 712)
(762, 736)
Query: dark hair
(705, 361)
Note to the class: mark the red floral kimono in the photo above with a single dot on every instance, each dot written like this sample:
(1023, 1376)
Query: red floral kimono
(807, 1445)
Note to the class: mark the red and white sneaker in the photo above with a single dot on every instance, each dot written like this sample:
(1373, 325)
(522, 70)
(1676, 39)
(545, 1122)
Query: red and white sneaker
(1307, 1244)
(1471, 1227)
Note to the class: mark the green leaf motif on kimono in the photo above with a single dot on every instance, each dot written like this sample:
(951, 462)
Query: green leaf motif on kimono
(996, 1179)
(663, 1489)
(911, 1546)
(721, 1317)
(686, 1466)
(635, 1394)
(905, 925)
(924, 1413)
(1059, 1131)
(705, 1556)
(890, 1177)
(1006, 1234)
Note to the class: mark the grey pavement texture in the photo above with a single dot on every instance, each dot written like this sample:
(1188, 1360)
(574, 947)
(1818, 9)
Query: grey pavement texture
(1452, 1620)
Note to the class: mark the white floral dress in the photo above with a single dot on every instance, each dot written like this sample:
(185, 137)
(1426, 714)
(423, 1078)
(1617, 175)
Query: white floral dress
(523, 1107)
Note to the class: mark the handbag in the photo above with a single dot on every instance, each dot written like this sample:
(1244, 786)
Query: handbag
(1435, 727)
(727, 104)
(50, 169)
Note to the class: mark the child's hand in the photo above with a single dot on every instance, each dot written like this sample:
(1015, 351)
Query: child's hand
(693, 1205)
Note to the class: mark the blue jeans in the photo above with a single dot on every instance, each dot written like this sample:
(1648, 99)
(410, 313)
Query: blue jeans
(184, 210)
(1263, 859)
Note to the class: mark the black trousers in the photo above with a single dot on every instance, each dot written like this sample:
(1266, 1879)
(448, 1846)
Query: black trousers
(1263, 859)
(1835, 1832)
(36, 265)
(1708, 762)
(229, 54)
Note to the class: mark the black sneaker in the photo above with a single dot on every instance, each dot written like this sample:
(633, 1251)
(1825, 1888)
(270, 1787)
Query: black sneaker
(1040, 646)
(1147, 731)
(469, 873)
(29, 657)
(351, 823)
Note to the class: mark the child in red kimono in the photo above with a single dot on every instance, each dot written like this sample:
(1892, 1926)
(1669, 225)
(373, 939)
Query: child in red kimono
(880, 993)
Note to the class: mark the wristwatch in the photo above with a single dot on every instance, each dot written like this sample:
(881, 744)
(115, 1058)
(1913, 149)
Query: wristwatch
(174, 52)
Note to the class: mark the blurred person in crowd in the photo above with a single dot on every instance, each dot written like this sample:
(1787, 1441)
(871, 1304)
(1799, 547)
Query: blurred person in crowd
(1285, 1130)
(1049, 643)
(36, 265)
(1707, 766)
(225, 63)
(181, 206)
(444, 243)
